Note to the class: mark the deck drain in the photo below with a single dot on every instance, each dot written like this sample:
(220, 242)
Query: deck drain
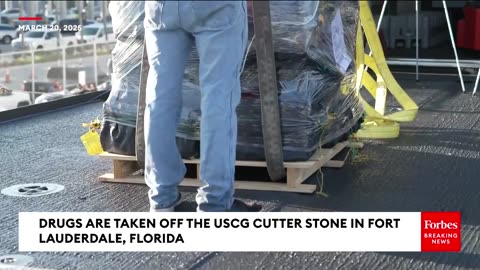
(13, 261)
(32, 190)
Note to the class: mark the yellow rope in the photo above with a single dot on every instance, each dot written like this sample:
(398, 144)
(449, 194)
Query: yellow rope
(320, 184)
(93, 125)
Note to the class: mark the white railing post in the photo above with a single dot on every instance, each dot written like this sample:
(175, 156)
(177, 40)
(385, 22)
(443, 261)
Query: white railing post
(32, 53)
(64, 69)
(95, 59)
(452, 39)
(416, 39)
(476, 82)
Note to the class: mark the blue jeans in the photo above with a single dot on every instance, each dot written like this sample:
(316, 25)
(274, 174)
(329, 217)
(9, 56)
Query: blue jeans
(219, 30)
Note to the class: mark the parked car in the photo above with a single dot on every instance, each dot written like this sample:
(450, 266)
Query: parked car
(42, 40)
(5, 20)
(11, 13)
(46, 19)
(7, 33)
(17, 24)
(94, 33)
(12, 99)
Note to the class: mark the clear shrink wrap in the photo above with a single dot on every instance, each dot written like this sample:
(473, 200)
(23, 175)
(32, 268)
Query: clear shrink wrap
(120, 109)
(314, 53)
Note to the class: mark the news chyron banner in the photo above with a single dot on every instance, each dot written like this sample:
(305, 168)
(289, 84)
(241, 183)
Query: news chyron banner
(264, 231)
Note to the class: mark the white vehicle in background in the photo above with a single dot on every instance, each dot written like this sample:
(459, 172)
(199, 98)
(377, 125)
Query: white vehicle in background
(11, 13)
(7, 33)
(38, 40)
(5, 20)
(46, 19)
(94, 33)
(13, 99)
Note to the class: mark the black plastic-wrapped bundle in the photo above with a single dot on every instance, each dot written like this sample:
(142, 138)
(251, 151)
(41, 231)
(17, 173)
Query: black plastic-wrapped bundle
(312, 107)
(305, 95)
(120, 109)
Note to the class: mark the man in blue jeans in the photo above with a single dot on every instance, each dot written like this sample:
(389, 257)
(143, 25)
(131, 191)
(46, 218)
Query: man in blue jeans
(219, 30)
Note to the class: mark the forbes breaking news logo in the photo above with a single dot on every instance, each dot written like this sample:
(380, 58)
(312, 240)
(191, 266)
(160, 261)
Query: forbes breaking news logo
(441, 231)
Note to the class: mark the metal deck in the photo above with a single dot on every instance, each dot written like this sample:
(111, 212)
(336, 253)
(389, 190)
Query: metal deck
(434, 165)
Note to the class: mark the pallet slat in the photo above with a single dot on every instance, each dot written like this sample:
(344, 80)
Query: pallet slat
(106, 155)
(247, 185)
(297, 172)
(319, 155)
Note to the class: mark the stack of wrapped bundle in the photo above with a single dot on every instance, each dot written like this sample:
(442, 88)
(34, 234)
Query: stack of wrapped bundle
(314, 52)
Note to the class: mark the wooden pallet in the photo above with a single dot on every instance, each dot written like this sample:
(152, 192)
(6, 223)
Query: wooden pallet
(297, 172)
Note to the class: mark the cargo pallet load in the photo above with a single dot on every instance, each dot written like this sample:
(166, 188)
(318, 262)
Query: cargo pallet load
(299, 95)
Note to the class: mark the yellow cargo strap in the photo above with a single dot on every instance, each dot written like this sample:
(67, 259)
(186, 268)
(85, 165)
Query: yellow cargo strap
(378, 124)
